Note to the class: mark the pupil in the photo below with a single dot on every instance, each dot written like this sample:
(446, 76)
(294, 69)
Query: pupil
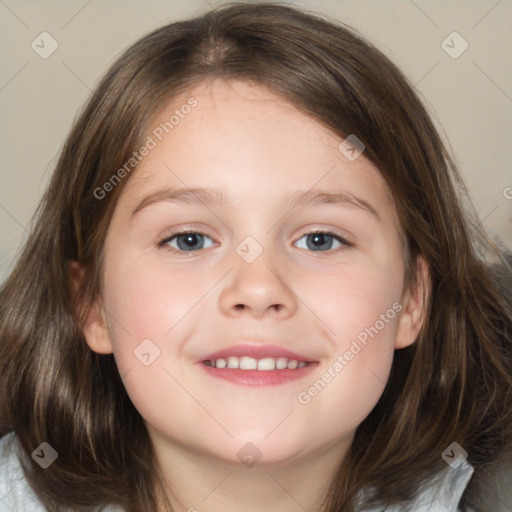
(190, 239)
(319, 239)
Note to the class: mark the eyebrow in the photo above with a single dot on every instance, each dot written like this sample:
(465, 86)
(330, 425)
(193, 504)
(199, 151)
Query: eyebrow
(211, 196)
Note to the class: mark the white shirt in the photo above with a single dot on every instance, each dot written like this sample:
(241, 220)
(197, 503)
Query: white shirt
(17, 496)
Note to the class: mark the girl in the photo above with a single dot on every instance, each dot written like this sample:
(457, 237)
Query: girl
(251, 285)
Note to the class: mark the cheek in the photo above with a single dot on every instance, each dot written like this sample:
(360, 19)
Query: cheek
(354, 298)
(359, 308)
(149, 298)
(144, 301)
(148, 306)
(352, 380)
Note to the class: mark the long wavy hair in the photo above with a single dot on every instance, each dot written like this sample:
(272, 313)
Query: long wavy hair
(453, 384)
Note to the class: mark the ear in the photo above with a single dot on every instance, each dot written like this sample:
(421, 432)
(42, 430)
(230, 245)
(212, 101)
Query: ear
(414, 303)
(95, 329)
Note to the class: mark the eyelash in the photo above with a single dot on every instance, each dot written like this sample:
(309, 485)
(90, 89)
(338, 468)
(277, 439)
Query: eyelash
(163, 244)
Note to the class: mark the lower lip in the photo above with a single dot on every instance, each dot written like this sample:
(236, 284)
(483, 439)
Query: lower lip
(259, 377)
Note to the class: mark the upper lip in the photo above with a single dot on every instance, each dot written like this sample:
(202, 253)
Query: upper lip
(259, 351)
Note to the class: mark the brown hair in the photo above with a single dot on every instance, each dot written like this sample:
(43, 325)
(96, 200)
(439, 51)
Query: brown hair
(453, 384)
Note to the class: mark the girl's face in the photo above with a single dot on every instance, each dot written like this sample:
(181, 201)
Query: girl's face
(252, 178)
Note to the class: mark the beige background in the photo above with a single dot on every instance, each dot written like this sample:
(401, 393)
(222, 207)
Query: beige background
(470, 98)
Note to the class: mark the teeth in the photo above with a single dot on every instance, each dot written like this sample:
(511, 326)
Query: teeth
(282, 363)
(249, 363)
(233, 362)
(266, 364)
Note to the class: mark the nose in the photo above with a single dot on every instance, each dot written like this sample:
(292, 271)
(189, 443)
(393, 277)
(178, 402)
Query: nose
(258, 289)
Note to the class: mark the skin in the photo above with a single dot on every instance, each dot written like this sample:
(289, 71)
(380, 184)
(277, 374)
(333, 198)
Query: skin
(257, 148)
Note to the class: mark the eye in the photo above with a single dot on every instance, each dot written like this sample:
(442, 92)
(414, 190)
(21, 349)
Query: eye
(188, 241)
(191, 241)
(322, 241)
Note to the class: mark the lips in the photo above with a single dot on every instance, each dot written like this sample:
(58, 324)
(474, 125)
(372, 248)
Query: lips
(257, 365)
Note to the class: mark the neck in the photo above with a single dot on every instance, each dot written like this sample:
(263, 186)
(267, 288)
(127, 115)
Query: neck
(199, 482)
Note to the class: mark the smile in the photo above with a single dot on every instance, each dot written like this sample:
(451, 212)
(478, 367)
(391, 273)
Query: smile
(257, 364)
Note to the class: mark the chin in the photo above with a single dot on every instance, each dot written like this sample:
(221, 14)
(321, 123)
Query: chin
(258, 452)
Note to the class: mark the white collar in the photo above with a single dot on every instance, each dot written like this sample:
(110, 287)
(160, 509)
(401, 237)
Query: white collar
(441, 494)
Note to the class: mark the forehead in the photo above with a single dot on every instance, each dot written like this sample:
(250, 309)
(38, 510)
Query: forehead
(244, 139)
